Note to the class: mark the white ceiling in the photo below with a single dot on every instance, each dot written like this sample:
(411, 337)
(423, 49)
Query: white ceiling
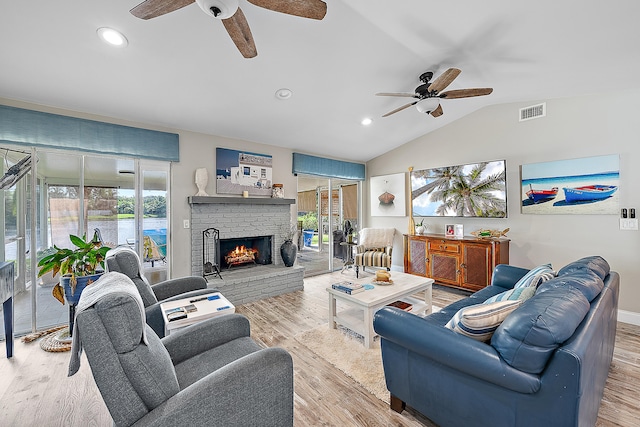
(182, 71)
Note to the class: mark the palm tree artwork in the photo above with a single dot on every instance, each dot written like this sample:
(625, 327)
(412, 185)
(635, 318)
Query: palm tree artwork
(475, 190)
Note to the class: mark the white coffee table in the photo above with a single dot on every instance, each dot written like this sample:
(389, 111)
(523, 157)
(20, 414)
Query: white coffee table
(415, 290)
(206, 309)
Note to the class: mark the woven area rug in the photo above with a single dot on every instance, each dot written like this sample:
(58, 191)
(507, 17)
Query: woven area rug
(345, 350)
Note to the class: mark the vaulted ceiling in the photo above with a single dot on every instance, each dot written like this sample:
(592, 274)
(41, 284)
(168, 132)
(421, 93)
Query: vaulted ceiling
(182, 71)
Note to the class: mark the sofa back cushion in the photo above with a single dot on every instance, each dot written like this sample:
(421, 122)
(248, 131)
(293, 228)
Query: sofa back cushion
(528, 337)
(586, 281)
(597, 264)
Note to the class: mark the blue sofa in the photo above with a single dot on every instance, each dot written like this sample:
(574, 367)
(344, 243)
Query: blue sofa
(521, 377)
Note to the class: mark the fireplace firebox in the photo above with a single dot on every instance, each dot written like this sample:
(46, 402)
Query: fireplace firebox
(245, 251)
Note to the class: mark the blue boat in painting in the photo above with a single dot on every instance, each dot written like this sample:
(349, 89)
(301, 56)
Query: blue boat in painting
(537, 196)
(588, 193)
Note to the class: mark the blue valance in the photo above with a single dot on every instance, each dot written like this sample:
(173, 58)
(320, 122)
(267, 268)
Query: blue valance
(35, 128)
(312, 165)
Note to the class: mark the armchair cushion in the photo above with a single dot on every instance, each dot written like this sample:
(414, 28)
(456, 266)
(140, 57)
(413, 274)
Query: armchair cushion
(373, 257)
(376, 237)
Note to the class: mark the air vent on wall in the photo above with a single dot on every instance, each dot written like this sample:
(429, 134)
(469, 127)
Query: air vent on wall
(533, 112)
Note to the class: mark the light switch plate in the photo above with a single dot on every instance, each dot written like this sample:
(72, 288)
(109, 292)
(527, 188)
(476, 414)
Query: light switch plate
(185, 223)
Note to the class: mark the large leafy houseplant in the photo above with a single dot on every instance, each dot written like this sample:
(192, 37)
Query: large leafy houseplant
(84, 260)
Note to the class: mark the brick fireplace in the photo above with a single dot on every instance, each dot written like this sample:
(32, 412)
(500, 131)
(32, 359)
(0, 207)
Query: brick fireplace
(245, 218)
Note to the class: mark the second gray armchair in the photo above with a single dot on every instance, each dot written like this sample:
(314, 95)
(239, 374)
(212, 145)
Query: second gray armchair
(126, 261)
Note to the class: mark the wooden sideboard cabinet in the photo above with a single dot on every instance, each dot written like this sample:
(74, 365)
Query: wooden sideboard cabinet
(465, 263)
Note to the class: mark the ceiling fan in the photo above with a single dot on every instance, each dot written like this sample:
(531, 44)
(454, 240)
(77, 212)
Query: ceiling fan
(429, 93)
(231, 15)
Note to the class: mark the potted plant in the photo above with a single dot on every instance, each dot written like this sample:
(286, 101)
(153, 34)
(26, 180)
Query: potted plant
(419, 227)
(309, 226)
(288, 249)
(77, 267)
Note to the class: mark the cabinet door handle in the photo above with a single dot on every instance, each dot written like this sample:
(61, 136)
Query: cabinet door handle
(463, 265)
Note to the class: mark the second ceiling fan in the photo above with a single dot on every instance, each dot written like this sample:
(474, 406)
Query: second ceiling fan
(231, 15)
(429, 93)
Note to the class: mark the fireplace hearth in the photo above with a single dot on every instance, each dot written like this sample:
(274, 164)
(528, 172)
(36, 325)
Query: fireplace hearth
(245, 252)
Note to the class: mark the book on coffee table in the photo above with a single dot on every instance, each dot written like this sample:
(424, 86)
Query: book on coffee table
(401, 305)
(348, 287)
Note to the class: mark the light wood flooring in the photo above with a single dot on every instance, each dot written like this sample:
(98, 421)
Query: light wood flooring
(35, 391)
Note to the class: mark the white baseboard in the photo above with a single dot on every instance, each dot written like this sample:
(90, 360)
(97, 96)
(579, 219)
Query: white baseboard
(629, 317)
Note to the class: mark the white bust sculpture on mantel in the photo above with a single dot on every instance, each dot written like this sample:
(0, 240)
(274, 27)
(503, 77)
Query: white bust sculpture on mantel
(202, 177)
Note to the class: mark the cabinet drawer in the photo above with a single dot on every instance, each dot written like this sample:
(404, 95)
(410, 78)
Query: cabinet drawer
(444, 246)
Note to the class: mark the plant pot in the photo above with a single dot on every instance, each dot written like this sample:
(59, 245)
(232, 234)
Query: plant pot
(308, 235)
(288, 250)
(81, 283)
(420, 229)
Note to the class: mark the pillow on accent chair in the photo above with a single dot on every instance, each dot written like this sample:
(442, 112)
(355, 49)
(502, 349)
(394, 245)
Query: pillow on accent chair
(535, 276)
(522, 293)
(480, 321)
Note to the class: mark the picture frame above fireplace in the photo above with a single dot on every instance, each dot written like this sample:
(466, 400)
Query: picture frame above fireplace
(239, 171)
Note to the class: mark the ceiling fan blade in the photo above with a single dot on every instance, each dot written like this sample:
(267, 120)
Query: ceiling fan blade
(465, 93)
(437, 112)
(444, 80)
(404, 94)
(400, 108)
(313, 9)
(240, 33)
(153, 8)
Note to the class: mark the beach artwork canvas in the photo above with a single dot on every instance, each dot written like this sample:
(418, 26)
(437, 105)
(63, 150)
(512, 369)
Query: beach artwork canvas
(578, 186)
(387, 195)
(239, 171)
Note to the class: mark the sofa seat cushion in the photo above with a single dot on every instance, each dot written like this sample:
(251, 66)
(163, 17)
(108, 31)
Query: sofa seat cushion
(586, 281)
(479, 321)
(597, 264)
(535, 276)
(528, 337)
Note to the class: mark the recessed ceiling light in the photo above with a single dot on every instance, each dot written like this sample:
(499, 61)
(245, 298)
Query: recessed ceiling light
(284, 94)
(366, 121)
(113, 37)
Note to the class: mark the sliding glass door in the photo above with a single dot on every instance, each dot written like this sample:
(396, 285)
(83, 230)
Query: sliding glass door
(324, 204)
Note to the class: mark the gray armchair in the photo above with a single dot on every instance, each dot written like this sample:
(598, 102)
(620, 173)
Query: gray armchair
(208, 374)
(126, 261)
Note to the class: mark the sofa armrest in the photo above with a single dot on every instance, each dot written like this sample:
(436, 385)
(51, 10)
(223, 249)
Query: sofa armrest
(256, 389)
(506, 276)
(448, 348)
(202, 336)
(173, 287)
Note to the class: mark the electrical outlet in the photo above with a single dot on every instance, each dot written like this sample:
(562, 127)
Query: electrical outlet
(185, 223)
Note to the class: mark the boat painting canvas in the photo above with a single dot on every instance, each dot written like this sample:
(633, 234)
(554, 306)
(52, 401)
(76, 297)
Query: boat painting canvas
(238, 171)
(387, 195)
(577, 186)
(472, 190)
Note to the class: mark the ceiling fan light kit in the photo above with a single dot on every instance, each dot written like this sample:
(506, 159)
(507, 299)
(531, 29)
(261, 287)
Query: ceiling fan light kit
(221, 9)
(427, 105)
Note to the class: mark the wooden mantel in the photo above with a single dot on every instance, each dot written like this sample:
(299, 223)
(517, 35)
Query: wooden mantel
(196, 200)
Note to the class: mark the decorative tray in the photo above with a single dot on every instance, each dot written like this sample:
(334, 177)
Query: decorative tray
(378, 282)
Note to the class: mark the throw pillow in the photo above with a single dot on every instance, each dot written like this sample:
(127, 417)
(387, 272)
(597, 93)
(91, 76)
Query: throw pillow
(535, 276)
(480, 321)
(522, 293)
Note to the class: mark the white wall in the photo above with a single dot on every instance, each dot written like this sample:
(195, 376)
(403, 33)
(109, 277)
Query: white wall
(574, 127)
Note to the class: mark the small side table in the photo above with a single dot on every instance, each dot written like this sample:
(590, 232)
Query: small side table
(208, 306)
(348, 262)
